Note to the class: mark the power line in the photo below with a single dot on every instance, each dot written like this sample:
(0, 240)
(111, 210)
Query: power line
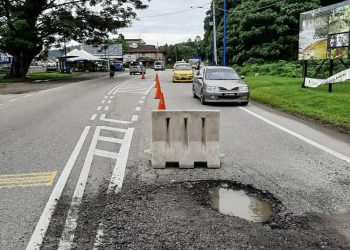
(176, 12)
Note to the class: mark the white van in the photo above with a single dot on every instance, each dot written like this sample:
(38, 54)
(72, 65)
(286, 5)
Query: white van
(159, 65)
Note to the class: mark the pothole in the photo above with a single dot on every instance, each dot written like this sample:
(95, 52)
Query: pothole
(240, 204)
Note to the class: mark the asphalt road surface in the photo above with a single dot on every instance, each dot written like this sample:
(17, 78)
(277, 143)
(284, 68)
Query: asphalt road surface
(75, 173)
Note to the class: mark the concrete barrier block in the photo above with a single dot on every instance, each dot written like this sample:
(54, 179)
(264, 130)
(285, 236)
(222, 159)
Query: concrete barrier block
(186, 138)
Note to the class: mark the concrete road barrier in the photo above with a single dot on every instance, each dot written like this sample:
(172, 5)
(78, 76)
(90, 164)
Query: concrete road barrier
(186, 138)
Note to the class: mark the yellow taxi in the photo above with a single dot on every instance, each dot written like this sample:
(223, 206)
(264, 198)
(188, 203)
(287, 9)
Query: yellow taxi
(183, 73)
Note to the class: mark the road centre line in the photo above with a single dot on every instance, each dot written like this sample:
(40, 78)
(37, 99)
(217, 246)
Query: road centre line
(93, 117)
(71, 220)
(38, 235)
(303, 138)
(119, 86)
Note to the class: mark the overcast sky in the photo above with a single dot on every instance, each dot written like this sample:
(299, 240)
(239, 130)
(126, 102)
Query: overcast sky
(169, 29)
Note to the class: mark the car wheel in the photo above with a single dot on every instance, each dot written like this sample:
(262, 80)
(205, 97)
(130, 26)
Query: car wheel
(193, 92)
(202, 98)
(130, 73)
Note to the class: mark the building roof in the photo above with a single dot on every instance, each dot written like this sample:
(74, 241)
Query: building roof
(142, 48)
(111, 50)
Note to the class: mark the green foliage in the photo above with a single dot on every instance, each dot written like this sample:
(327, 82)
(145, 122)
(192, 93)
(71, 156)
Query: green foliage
(183, 51)
(27, 26)
(263, 29)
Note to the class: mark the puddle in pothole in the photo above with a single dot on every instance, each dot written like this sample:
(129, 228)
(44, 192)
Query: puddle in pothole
(240, 204)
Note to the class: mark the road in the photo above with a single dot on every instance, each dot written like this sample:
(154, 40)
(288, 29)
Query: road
(75, 173)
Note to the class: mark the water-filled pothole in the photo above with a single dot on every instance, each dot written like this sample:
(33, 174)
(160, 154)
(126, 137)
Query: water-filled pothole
(239, 203)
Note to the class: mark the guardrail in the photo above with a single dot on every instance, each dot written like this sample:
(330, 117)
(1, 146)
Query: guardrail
(186, 138)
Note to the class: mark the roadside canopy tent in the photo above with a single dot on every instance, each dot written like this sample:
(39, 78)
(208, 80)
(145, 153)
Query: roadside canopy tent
(81, 55)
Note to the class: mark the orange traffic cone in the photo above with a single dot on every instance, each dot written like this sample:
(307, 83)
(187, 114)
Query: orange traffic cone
(158, 91)
(143, 76)
(161, 105)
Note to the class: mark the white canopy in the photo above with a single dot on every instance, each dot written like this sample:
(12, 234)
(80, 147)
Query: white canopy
(82, 55)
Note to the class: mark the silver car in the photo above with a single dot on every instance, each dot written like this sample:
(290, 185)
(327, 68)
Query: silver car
(220, 84)
(137, 67)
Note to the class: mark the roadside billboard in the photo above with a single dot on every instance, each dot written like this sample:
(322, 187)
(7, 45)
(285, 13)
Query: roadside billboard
(324, 33)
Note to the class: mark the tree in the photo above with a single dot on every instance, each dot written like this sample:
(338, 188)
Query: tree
(27, 26)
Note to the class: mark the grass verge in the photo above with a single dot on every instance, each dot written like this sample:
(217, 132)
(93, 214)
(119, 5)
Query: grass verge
(287, 95)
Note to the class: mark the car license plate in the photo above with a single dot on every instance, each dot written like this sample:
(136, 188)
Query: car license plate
(230, 94)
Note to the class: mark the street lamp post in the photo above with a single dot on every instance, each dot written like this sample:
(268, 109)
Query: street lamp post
(224, 52)
(214, 36)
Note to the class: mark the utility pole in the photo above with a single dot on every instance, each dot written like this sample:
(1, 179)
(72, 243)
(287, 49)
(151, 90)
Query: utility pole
(214, 36)
(224, 52)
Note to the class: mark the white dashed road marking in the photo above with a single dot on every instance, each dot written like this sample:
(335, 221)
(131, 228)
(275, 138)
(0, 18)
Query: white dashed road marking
(138, 109)
(106, 108)
(99, 108)
(134, 118)
(93, 117)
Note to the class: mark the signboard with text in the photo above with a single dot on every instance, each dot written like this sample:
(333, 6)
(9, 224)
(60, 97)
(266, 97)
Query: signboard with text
(324, 33)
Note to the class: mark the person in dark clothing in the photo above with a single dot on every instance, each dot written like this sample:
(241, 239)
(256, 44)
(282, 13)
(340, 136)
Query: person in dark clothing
(111, 70)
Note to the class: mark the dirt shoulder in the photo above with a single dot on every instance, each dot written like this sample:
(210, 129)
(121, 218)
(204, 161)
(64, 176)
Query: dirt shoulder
(28, 87)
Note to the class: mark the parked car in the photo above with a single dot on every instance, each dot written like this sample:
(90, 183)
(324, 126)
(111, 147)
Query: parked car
(183, 73)
(118, 67)
(159, 65)
(137, 67)
(220, 84)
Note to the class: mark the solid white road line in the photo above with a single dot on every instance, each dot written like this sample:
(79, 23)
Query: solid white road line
(99, 108)
(138, 109)
(119, 86)
(93, 117)
(117, 178)
(13, 100)
(134, 118)
(150, 88)
(71, 221)
(106, 108)
(40, 230)
(103, 118)
(307, 140)
(28, 95)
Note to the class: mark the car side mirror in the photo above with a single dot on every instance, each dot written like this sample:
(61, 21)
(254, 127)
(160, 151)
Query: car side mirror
(242, 77)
